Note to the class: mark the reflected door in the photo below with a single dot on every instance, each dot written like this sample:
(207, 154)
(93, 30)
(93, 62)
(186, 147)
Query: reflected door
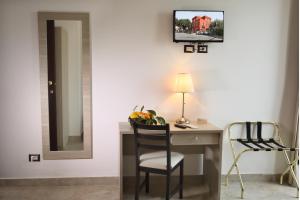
(64, 50)
(51, 85)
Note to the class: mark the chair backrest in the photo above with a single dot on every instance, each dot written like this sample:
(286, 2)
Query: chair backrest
(152, 137)
(251, 126)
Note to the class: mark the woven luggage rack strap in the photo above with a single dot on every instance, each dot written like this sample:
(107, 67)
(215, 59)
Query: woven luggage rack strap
(260, 144)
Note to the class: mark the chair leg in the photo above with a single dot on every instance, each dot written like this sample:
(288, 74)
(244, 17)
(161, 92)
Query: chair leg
(168, 186)
(137, 184)
(181, 181)
(147, 182)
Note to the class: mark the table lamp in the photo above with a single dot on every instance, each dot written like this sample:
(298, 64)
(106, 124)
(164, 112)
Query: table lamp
(184, 84)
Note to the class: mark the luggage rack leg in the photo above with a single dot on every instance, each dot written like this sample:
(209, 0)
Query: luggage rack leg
(287, 170)
(234, 164)
(290, 168)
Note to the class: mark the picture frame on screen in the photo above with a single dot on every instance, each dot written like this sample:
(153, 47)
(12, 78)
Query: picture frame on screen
(198, 26)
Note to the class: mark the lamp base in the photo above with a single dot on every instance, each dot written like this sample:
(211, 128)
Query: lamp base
(183, 120)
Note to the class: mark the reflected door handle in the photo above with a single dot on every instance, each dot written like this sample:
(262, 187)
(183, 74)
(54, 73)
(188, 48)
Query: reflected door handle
(50, 82)
(51, 91)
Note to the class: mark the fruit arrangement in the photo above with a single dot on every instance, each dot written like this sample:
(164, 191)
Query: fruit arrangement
(148, 117)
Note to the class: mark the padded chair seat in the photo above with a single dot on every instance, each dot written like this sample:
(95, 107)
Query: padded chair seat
(158, 160)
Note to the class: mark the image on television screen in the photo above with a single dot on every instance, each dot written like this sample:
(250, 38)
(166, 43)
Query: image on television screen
(197, 26)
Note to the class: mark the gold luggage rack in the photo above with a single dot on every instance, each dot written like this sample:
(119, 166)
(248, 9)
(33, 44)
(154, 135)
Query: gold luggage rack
(260, 144)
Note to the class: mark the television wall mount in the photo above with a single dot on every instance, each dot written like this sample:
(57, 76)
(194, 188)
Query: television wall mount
(199, 48)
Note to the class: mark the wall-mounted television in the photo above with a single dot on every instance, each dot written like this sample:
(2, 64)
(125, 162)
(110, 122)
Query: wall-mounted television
(198, 26)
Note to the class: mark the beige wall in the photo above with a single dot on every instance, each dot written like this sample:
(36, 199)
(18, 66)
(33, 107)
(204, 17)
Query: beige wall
(135, 63)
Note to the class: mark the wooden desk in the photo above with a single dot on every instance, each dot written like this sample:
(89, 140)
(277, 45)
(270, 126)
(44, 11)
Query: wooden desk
(207, 139)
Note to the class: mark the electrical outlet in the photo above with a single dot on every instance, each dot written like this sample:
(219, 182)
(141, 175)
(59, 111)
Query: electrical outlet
(34, 158)
(202, 48)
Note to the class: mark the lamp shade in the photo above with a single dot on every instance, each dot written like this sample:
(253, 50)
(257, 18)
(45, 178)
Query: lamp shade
(184, 83)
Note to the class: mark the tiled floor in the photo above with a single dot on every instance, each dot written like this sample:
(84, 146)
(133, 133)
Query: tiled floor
(254, 191)
(83, 192)
(259, 191)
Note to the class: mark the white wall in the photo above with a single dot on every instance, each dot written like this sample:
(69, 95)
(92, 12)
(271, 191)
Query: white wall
(134, 62)
(71, 75)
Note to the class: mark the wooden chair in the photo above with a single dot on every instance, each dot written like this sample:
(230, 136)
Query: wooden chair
(160, 161)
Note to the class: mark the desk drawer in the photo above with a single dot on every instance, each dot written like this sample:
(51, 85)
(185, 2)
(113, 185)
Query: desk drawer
(195, 139)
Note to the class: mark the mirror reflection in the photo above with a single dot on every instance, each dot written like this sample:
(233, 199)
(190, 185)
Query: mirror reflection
(64, 57)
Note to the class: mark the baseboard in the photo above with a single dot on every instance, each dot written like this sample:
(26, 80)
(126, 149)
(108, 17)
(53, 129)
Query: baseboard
(189, 179)
(115, 180)
(254, 177)
(60, 181)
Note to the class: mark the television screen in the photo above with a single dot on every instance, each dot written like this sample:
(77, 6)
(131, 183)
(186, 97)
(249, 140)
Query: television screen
(198, 26)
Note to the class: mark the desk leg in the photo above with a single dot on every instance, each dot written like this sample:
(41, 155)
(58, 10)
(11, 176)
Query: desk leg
(121, 167)
(212, 169)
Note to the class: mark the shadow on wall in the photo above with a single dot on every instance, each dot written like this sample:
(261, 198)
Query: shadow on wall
(289, 102)
(164, 21)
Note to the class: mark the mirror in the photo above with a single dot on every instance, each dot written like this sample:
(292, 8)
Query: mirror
(65, 85)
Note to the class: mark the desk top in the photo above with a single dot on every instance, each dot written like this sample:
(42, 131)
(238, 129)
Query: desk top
(125, 128)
